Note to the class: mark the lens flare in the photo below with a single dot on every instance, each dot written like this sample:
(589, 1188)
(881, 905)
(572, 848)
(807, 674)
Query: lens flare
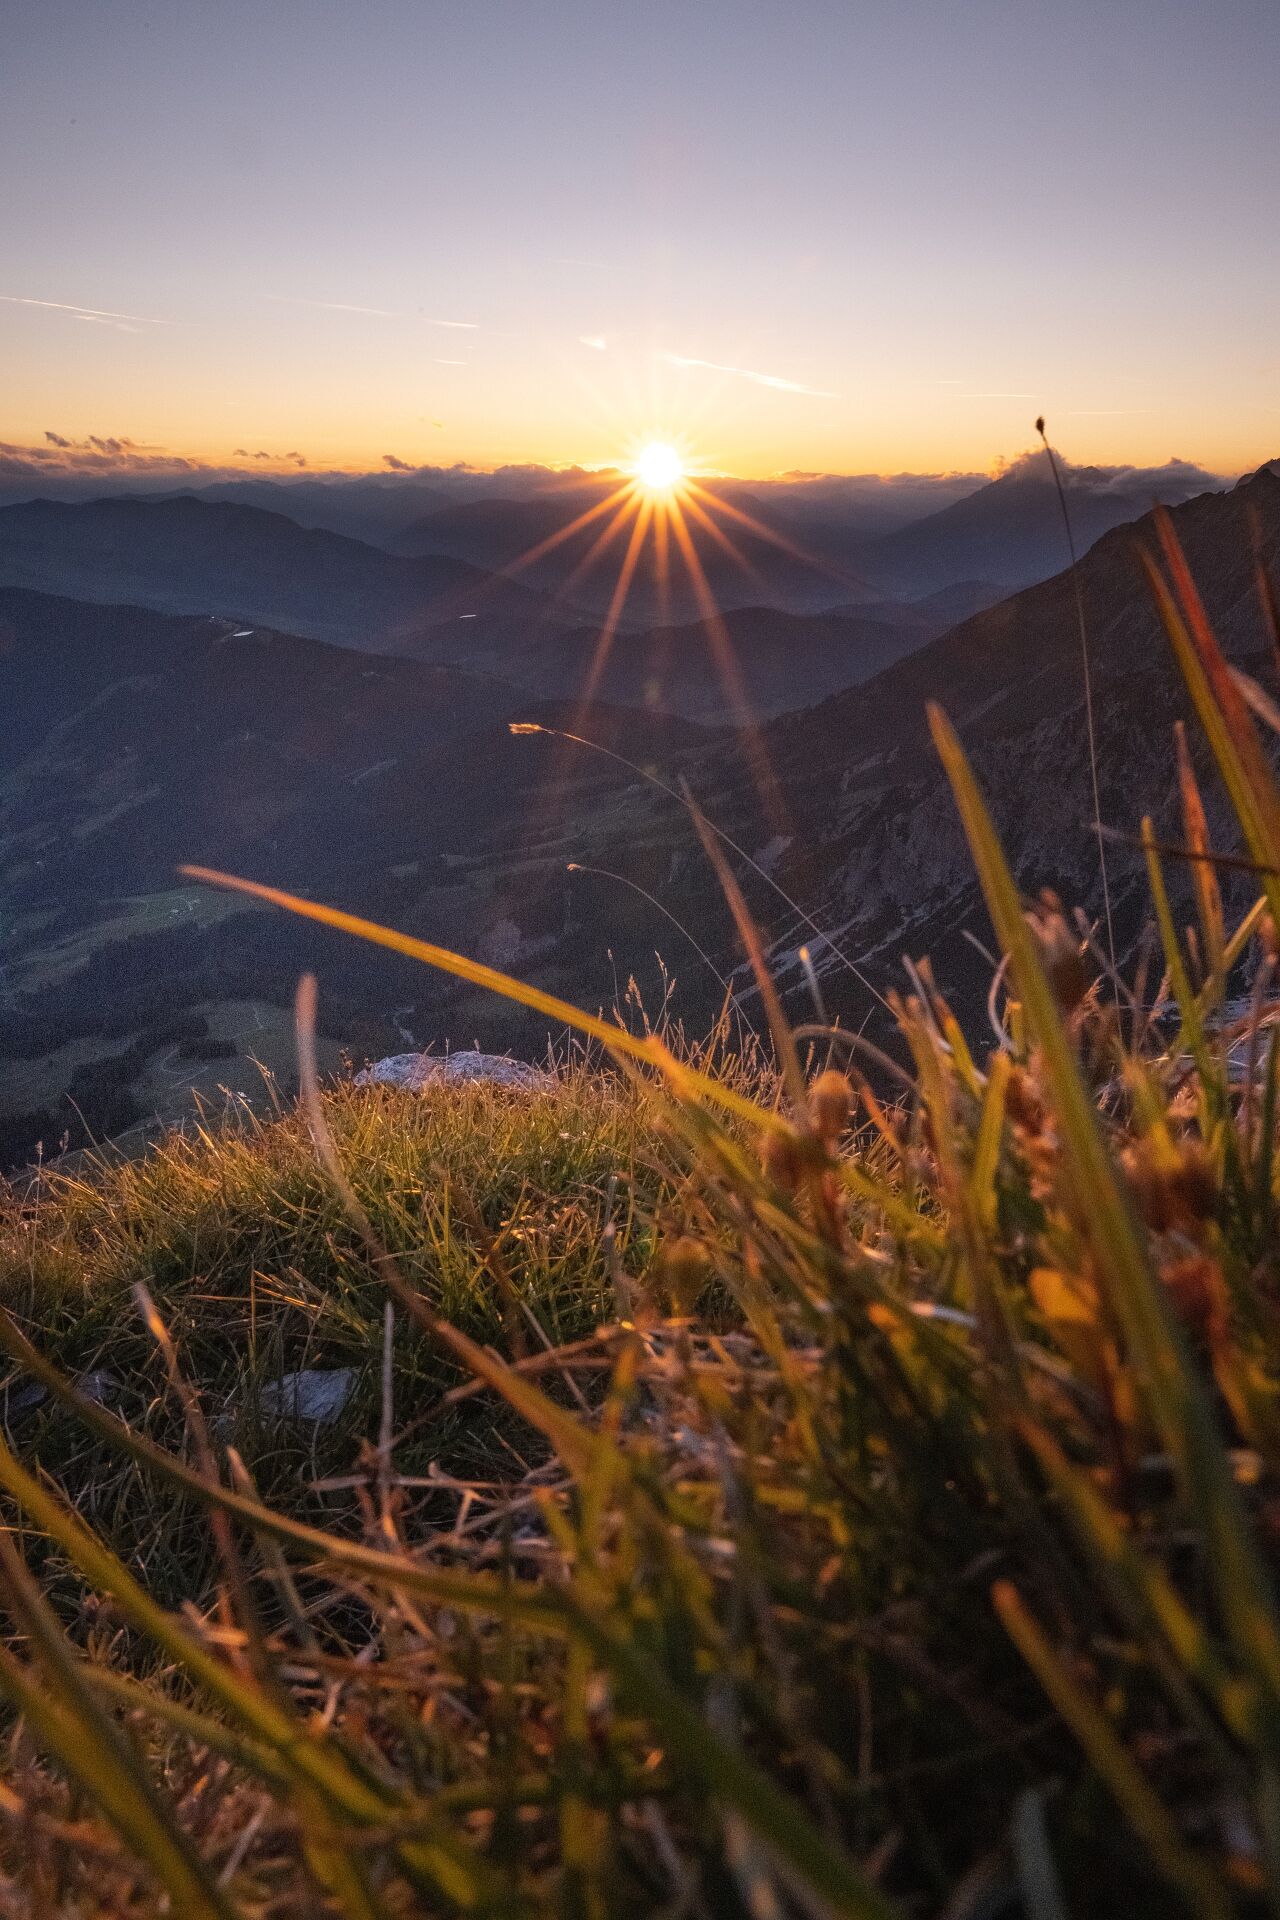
(653, 523)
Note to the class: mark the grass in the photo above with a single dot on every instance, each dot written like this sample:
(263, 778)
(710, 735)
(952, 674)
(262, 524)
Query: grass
(769, 1491)
(239, 1237)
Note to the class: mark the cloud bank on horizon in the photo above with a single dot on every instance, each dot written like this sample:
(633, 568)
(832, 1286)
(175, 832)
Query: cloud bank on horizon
(76, 466)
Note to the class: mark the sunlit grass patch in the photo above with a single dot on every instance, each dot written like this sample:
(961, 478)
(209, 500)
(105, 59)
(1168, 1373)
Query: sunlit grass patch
(237, 1235)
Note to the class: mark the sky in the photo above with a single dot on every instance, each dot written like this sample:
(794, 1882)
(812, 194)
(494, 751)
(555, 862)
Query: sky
(830, 235)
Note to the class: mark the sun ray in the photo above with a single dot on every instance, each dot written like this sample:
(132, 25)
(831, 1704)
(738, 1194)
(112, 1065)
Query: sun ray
(617, 603)
(632, 504)
(776, 539)
(731, 675)
(554, 540)
(718, 534)
(662, 559)
(472, 597)
(663, 503)
(603, 541)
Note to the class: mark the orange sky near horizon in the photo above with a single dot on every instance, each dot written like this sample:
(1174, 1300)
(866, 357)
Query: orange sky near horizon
(344, 389)
(847, 238)
(343, 398)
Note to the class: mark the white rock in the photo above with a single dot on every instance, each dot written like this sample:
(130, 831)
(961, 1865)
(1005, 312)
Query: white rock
(316, 1393)
(416, 1071)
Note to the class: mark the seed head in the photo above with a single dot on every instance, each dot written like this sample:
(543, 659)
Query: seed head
(685, 1267)
(1181, 1191)
(782, 1158)
(1022, 1100)
(1199, 1294)
(1059, 952)
(830, 1104)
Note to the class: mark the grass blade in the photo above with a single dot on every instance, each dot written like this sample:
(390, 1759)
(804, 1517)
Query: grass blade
(650, 1050)
(1228, 729)
(1174, 1391)
(1196, 828)
(1199, 1887)
(73, 1726)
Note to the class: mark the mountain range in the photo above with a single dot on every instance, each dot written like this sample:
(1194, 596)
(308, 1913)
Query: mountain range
(183, 555)
(392, 785)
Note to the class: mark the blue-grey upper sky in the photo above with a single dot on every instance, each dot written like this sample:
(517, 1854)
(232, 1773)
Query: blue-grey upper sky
(869, 234)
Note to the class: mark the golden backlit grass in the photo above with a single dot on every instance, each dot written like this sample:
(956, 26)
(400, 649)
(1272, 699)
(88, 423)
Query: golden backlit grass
(773, 1492)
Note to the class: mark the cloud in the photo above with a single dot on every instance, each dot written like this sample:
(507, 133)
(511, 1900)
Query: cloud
(110, 445)
(774, 380)
(98, 457)
(82, 313)
(373, 313)
(66, 467)
(293, 457)
(1171, 481)
(595, 340)
(331, 306)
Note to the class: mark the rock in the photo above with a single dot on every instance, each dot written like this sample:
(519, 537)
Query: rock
(316, 1393)
(99, 1384)
(417, 1071)
(18, 1402)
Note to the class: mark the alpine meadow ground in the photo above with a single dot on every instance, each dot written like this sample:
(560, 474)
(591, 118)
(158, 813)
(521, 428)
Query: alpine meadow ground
(773, 1482)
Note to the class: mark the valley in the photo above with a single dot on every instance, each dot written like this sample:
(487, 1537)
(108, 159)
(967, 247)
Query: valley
(391, 784)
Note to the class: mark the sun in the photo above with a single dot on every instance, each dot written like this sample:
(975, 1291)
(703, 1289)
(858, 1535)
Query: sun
(659, 468)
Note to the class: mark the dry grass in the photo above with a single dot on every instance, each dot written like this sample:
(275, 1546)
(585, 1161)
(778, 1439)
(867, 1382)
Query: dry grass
(892, 1531)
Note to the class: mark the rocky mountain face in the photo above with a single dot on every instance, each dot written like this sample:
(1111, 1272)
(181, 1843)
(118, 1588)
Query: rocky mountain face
(876, 851)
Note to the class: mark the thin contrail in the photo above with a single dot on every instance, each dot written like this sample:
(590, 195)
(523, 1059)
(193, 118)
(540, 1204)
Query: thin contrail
(86, 313)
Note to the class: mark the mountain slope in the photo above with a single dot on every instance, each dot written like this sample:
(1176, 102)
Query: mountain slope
(395, 789)
(765, 658)
(369, 507)
(876, 849)
(743, 567)
(182, 555)
(1011, 530)
(135, 741)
